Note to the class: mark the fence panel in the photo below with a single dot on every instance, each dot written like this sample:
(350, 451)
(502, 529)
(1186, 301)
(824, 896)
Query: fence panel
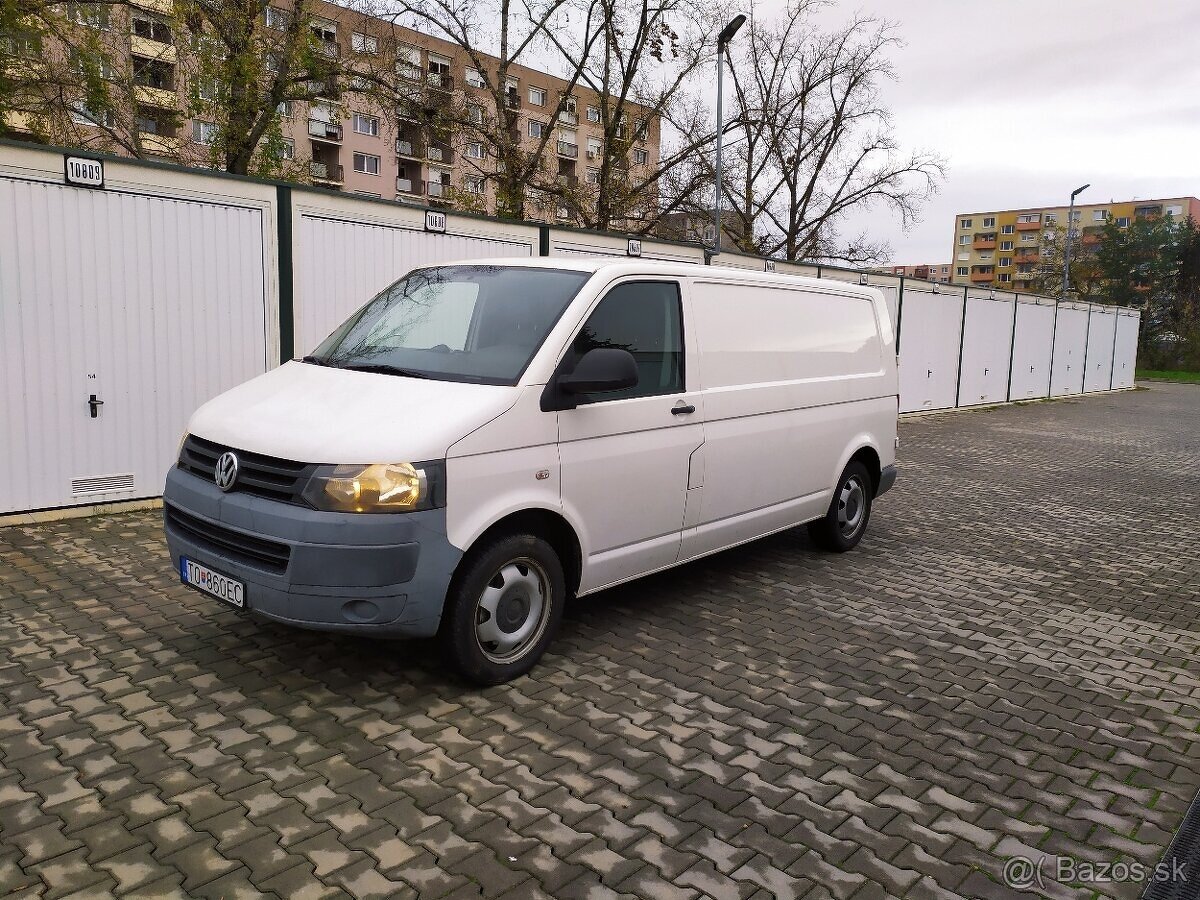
(342, 262)
(987, 342)
(931, 325)
(1033, 348)
(1125, 358)
(1102, 332)
(1070, 346)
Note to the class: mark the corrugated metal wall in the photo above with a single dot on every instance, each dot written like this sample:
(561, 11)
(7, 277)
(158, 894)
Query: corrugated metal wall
(152, 304)
(170, 286)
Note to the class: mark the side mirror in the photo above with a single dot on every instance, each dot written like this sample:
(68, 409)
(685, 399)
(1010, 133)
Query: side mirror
(599, 370)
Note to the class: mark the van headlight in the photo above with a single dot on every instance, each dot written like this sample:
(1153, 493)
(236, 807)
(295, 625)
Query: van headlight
(377, 488)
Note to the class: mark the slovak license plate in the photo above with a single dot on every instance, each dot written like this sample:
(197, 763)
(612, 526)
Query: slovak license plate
(213, 583)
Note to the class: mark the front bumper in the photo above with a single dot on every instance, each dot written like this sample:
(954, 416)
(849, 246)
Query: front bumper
(887, 478)
(380, 574)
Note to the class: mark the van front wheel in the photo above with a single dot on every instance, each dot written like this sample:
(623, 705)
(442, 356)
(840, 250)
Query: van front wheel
(503, 608)
(849, 511)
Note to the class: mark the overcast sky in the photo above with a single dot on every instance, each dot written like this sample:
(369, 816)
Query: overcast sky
(1027, 101)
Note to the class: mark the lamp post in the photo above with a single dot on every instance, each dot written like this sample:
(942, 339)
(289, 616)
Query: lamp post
(1067, 243)
(723, 39)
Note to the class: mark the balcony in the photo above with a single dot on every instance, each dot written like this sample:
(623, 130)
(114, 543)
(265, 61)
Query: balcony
(158, 98)
(166, 7)
(982, 276)
(410, 148)
(1093, 234)
(329, 49)
(330, 132)
(159, 143)
(408, 186)
(326, 173)
(152, 49)
(512, 100)
(1029, 226)
(437, 189)
(568, 180)
(440, 153)
(1147, 212)
(568, 149)
(567, 117)
(440, 81)
(984, 242)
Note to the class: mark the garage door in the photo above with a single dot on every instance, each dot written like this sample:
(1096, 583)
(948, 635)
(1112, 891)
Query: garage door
(1032, 347)
(340, 265)
(1102, 332)
(120, 314)
(1125, 359)
(987, 340)
(930, 326)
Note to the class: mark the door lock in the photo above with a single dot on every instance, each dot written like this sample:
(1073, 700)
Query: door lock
(94, 404)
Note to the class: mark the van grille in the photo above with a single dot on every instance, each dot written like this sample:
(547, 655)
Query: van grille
(263, 476)
(236, 545)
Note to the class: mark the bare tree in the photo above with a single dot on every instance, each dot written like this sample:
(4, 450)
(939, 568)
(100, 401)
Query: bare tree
(819, 143)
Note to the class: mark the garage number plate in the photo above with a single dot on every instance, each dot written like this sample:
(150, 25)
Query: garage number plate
(205, 579)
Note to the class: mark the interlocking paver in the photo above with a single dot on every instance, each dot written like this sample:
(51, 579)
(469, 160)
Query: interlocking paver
(1002, 668)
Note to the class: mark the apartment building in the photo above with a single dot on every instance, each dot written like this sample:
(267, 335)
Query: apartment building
(1004, 248)
(343, 143)
(940, 272)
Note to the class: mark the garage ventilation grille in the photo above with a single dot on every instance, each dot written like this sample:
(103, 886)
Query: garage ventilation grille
(1179, 872)
(101, 484)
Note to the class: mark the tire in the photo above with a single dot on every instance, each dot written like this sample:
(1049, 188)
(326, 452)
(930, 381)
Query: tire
(503, 608)
(849, 511)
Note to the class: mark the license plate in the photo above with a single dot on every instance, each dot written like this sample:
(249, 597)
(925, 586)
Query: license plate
(213, 583)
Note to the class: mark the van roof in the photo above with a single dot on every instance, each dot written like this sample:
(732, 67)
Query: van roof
(622, 265)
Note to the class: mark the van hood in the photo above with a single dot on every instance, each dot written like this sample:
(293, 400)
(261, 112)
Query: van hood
(317, 414)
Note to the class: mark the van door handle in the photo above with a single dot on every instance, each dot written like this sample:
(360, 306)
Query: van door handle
(682, 409)
(94, 403)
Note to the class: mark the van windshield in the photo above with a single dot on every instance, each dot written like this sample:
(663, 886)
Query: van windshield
(454, 323)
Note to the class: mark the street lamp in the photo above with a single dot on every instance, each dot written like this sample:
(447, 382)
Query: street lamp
(723, 38)
(1067, 244)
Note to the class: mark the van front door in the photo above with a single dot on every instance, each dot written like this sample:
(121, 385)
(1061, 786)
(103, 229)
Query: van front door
(624, 455)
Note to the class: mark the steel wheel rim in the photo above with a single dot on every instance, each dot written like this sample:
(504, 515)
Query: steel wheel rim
(852, 506)
(512, 610)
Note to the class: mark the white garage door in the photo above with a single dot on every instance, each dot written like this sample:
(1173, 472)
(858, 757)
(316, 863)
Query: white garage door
(1125, 359)
(340, 265)
(930, 326)
(987, 338)
(1102, 331)
(1070, 344)
(1032, 347)
(148, 305)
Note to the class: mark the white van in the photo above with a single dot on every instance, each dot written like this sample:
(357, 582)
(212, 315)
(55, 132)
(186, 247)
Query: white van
(484, 440)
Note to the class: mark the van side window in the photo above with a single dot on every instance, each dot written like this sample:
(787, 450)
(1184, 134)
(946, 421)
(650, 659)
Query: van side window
(643, 317)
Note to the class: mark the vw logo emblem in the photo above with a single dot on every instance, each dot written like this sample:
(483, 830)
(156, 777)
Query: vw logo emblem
(226, 472)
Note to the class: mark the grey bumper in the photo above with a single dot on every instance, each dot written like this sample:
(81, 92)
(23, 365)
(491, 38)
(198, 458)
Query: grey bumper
(383, 575)
(887, 477)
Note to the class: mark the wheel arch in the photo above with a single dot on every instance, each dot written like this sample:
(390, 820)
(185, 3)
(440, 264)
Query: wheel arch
(547, 524)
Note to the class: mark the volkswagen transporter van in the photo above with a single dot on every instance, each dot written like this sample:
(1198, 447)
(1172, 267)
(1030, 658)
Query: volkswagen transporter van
(484, 440)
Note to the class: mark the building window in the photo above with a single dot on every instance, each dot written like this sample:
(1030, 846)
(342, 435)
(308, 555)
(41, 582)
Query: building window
(1005, 277)
(288, 149)
(475, 150)
(989, 222)
(964, 240)
(152, 29)
(473, 184)
(364, 43)
(1175, 210)
(563, 212)
(208, 89)
(1006, 245)
(1028, 217)
(967, 223)
(408, 62)
(204, 132)
(81, 115)
(1004, 262)
(640, 157)
(276, 18)
(536, 128)
(1050, 220)
(593, 114)
(365, 163)
(439, 71)
(593, 175)
(593, 148)
(537, 96)
(475, 78)
(962, 257)
(962, 271)
(1100, 215)
(1007, 229)
(1123, 222)
(92, 15)
(366, 125)
(474, 113)
(1028, 238)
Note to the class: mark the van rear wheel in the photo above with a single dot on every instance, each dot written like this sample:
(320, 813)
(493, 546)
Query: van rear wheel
(503, 608)
(849, 511)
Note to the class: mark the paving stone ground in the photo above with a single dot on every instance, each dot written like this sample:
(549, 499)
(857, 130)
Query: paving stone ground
(1004, 668)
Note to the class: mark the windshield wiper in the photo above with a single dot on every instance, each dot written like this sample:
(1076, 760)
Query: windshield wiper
(384, 369)
(316, 360)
